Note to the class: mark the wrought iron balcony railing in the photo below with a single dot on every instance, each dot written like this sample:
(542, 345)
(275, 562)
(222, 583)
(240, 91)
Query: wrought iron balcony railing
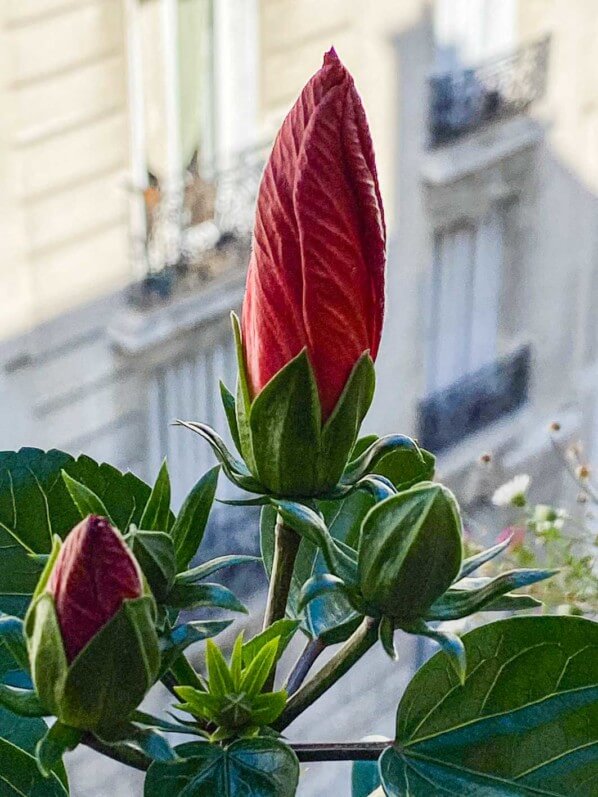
(466, 100)
(475, 401)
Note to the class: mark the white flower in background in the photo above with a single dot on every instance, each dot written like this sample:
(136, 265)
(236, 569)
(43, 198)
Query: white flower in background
(513, 492)
(547, 517)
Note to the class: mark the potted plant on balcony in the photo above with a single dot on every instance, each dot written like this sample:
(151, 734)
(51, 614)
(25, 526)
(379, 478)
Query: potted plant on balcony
(357, 539)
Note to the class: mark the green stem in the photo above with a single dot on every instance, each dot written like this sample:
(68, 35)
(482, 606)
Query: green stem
(358, 643)
(122, 753)
(286, 545)
(303, 665)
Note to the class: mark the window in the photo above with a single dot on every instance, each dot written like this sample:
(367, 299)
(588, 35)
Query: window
(465, 291)
(468, 385)
(468, 32)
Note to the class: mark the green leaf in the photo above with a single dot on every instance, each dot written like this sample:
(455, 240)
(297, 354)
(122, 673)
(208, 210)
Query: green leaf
(236, 661)
(283, 629)
(156, 515)
(342, 427)
(35, 504)
(86, 501)
(230, 410)
(219, 676)
(257, 671)
(257, 767)
(365, 777)
(50, 749)
(207, 568)
(194, 596)
(268, 707)
(522, 724)
(457, 603)
(154, 550)
(20, 775)
(415, 532)
(190, 525)
(285, 422)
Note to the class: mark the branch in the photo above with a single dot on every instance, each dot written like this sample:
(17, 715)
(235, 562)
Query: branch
(358, 643)
(303, 665)
(340, 751)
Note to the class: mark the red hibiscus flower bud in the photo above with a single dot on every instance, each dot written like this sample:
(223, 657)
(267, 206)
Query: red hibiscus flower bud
(316, 276)
(92, 576)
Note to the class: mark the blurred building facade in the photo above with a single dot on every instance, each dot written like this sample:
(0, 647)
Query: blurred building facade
(132, 134)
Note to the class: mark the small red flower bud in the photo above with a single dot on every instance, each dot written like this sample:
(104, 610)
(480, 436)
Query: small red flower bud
(316, 275)
(93, 574)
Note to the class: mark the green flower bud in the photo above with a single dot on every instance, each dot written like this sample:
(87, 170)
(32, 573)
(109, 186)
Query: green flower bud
(410, 552)
(90, 630)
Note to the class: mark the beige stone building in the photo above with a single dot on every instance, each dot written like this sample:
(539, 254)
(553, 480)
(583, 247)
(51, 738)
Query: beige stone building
(131, 137)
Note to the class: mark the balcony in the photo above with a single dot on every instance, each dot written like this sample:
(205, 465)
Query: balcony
(475, 401)
(464, 101)
(201, 234)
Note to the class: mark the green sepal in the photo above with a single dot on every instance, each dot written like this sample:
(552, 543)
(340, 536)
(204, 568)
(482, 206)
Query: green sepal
(86, 501)
(406, 467)
(156, 514)
(342, 427)
(154, 550)
(23, 702)
(48, 567)
(243, 403)
(285, 422)
(309, 524)
(368, 460)
(12, 640)
(113, 672)
(230, 410)
(50, 749)
(472, 563)
(462, 600)
(47, 657)
(410, 552)
(235, 469)
(386, 635)
(450, 644)
(320, 585)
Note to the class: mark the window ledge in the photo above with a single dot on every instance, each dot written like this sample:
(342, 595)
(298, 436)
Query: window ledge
(479, 151)
(135, 331)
